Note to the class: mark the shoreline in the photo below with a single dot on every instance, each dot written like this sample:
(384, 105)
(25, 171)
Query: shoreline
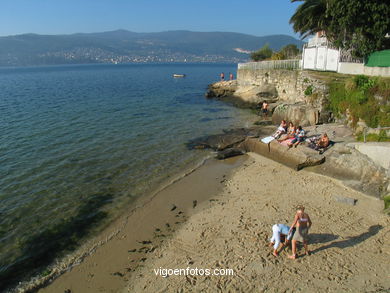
(149, 213)
(349, 243)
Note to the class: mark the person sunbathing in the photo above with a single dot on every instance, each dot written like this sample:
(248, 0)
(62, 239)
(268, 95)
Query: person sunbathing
(299, 137)
(323, 142)
(291, 131)
(280, 232)
(281, 129)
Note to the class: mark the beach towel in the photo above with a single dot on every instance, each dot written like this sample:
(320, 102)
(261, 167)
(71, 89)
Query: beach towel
(286, 142)
(267, 139)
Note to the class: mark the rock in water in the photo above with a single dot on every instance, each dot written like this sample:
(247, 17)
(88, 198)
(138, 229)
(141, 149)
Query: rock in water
(231, 152)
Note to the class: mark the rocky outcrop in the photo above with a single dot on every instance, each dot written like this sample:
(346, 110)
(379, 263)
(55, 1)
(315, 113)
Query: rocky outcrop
(355, 170)
(296, 158)
(222, 89)
(228, 139)
(299, 114)
(258, 94)
(293, 95)
(228, 153)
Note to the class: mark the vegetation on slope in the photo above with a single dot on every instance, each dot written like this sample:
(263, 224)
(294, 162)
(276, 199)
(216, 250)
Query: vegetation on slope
(362, 98)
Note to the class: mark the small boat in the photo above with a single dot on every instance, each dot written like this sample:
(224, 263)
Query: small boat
(179, 75)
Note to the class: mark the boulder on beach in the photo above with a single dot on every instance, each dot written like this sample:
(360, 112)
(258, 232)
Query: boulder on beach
(298, 113)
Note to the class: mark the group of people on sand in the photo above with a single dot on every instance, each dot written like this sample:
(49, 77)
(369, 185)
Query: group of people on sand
(297, 232)
(291, 135)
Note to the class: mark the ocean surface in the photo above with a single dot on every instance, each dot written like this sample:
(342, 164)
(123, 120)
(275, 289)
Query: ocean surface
(79, 143)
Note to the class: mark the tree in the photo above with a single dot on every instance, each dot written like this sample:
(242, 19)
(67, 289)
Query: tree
(264, 53)
(360, 26)
(355, 25)
(289, 51)
(310, 17)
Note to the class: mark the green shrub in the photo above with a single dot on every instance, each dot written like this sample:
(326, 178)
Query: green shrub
(309, 90)
(386, 200)
(359, 95)
(373, 137)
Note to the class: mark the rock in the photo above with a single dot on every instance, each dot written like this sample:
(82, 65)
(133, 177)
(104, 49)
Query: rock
(263, 122)
(346, 200)
(355, 169)
(297, 158)
(221, 89)
(298, 113)
(258, 94)
(230, 152)
(228, 139)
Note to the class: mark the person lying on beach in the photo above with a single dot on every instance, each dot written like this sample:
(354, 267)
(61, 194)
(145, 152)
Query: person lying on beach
(323, 142)
(299, 137)
(319, 143)
(291, 131)
(280, 232)
(281, 129)
(302, 223)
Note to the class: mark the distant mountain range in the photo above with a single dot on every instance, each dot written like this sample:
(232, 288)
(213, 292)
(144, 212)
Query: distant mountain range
(123, 46)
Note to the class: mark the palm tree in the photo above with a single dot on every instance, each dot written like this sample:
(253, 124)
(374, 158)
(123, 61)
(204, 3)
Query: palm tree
(310, 17)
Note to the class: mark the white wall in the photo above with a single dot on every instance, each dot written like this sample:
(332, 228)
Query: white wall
(377, 71)
(320, 58)
(350, 68)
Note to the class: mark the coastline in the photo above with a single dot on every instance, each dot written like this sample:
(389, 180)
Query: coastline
(126, 243)
(349, 243)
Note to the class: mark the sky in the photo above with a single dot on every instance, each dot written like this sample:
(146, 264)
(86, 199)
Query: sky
(254, 17)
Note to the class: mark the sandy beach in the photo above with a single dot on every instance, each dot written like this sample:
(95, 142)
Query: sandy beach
(227, 226)
(350, 244)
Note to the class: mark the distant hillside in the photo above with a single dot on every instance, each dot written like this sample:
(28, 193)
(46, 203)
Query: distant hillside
(123, 46)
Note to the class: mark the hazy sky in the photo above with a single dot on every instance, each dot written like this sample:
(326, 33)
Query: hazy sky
(255, 17)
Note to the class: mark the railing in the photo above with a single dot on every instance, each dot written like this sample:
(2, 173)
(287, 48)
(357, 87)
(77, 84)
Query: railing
(379, 128)
(273, 64)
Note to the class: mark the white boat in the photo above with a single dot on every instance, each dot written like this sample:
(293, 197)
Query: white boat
(179, 75)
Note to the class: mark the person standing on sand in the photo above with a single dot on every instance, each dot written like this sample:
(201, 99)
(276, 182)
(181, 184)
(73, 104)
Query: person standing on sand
(302, 223)
(279, 231)
(231, 77)
(222, 76)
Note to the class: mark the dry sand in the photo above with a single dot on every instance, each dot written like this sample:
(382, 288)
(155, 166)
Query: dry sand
(350, 244)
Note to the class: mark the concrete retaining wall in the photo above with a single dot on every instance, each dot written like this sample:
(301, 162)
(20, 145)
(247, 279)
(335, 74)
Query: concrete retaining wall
(359, 68)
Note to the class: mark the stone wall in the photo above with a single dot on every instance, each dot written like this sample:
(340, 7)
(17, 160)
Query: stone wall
(289, 85)
(299, 96)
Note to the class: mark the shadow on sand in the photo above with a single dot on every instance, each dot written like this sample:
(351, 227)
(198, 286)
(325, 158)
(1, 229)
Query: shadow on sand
(348, 242)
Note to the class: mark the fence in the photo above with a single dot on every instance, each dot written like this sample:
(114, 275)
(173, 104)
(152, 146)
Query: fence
(274, 64)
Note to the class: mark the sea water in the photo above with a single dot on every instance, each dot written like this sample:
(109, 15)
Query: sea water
(78, 143)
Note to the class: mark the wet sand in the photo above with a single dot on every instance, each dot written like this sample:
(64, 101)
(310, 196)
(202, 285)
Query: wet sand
(132, 240)
(350, 244)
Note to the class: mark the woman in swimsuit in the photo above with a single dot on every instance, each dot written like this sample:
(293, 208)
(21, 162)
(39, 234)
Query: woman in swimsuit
(303, 223)
(291, 132)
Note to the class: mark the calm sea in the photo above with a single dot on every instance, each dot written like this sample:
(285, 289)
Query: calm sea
(78, 143)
